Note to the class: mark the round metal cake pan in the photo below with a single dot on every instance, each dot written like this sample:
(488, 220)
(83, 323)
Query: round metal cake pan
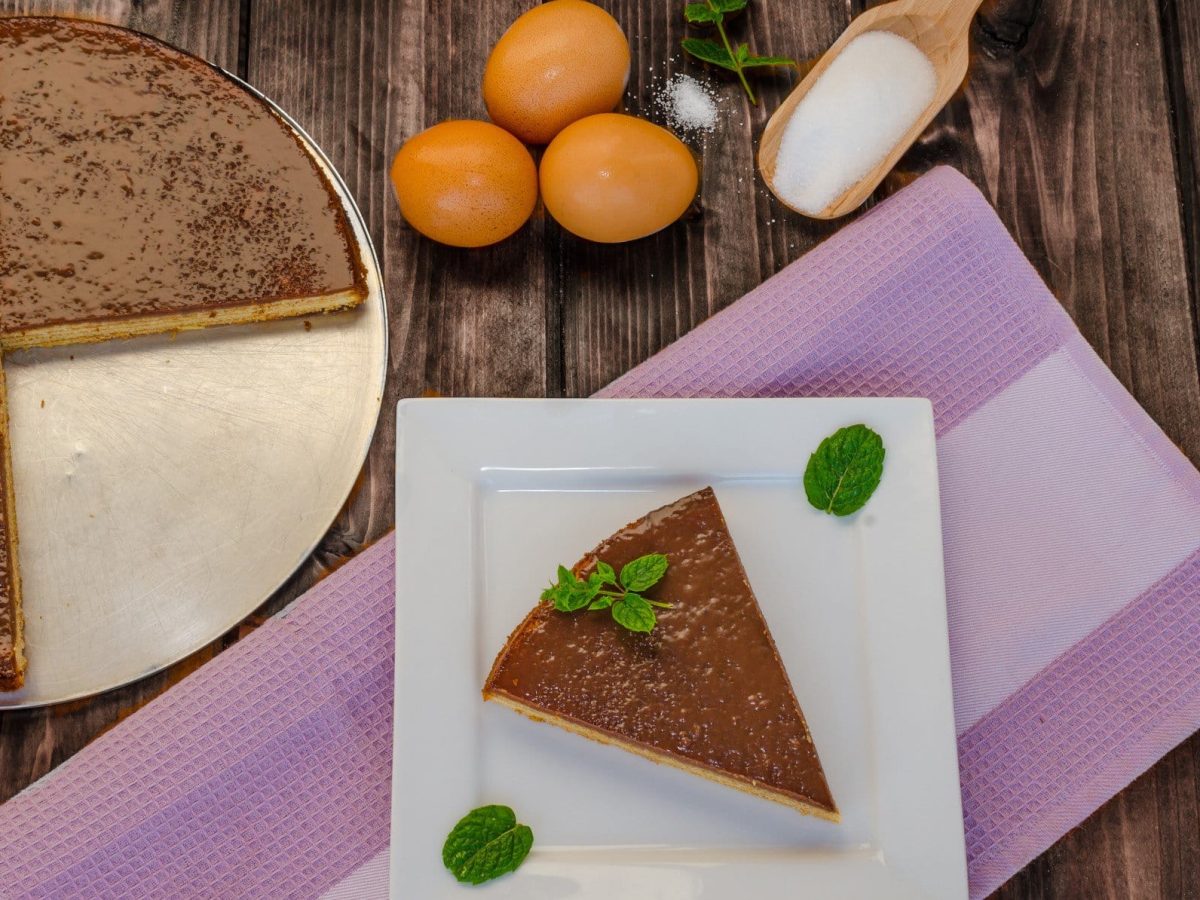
(167, 486)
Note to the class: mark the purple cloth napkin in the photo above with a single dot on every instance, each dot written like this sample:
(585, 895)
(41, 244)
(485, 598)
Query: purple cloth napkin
(1072, 538)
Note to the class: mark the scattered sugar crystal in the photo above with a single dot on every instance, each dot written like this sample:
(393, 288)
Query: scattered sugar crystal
(850, 120)
(687, 104)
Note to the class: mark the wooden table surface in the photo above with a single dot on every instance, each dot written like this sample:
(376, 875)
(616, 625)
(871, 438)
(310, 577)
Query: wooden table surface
(1080, 120)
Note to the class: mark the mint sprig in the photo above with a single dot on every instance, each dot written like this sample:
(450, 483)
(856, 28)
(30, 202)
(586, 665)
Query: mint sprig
(844, 471)
(604, 589)
(736, 58)
(486, 843)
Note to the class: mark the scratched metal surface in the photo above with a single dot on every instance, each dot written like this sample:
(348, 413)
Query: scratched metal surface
(166, 486)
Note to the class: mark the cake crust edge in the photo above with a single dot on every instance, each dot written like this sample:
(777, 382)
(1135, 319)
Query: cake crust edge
(749, 786)
(12, 665)
(97, 331)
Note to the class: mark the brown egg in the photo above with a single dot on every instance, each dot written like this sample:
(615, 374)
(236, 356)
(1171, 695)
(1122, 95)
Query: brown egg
(613, 178)
(559, 62)
(465, 183)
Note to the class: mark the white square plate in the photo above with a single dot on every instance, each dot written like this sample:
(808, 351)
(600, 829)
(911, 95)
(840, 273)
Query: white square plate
(492, 494)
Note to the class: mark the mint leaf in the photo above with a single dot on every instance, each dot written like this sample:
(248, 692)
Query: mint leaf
(601, 603)
(700, 12)
(845, 470)
(580, 595)
(635, 613)
(560, 591)
(605, 571)
(709, 52)
(749, 61)
(571, 593)
(561, 595)
(486, 843)
(729, 6)
(557, 593)
(644, 572)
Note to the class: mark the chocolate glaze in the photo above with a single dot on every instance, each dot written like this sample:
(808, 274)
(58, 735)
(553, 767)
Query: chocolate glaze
(706, 685)
(136, 180)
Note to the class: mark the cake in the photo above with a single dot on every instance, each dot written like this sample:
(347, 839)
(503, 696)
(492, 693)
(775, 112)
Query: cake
(705, 691)
(145, 191)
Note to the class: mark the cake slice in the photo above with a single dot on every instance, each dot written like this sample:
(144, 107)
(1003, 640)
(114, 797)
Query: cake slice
(144, 191)
(12, 640)
(705, 691)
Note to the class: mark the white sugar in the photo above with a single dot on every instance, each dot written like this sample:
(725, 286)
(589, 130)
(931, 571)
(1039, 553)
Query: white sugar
(687, 104)
(850, 120)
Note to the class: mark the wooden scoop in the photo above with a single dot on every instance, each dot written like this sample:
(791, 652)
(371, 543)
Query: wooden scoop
(938, 28)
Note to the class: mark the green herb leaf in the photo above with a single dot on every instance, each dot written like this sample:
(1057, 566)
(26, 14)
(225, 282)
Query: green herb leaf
(726, 54)
(844, 471)
(698, 13)
(560, 591)
(605, 571)
(570, 594)
(582, 593)
(709, 52)
(555, 592)
(486, 843)
(644, 572)
(750, 61)
(635, 613)
(570, 600)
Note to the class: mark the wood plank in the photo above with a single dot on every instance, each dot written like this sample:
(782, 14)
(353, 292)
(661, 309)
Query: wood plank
(1065, 123)
(34, 741)
(1181, 27)
(622, 303)
(208, 29)
(1177, 778)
